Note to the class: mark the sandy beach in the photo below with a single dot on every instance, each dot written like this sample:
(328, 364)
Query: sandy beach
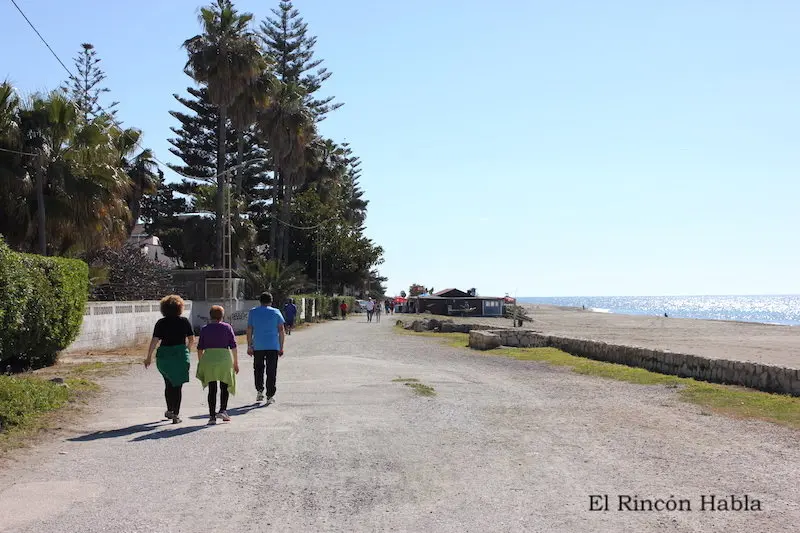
(741, 341)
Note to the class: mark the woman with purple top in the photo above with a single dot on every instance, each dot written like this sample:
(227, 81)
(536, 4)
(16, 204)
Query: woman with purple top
(217, 344)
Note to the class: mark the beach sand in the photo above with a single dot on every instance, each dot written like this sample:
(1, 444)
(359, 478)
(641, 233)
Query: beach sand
(740, 341)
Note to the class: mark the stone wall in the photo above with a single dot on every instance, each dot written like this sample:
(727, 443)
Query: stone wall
(109, 325)
(763, 377)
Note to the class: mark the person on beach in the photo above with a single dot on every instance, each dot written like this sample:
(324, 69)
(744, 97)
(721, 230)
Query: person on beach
(218, 362)
(377, 312)
(289, 314)
(343, 309)
(370, 309)
(174, 337)
(265, 338)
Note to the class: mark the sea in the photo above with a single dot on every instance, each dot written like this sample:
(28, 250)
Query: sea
(771, 309)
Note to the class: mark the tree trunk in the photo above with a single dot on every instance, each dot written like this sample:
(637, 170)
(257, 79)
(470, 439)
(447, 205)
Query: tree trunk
(220, 196)
(285, 217)
(239, 161)
(273, 223)
(40, 214)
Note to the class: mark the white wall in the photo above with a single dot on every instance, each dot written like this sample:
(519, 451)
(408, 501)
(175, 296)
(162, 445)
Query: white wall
(108, 325)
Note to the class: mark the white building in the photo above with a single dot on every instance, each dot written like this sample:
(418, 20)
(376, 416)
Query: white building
(150, 246)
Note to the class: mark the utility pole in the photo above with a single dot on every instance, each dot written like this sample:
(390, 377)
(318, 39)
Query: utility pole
(319, 260)
(227, 252)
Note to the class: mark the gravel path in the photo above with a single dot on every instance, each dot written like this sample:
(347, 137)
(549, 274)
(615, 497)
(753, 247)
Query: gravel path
(504, 446)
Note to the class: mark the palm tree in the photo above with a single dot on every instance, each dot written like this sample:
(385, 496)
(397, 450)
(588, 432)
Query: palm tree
(15, 190)
(226, 58)
(281, 280)
(254, 96)
(142, 170)
(288, 126)
(80, 187)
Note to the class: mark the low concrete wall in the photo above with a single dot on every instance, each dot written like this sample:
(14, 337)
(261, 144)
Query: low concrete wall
(236, 312)
(767, 378)
(109, 325)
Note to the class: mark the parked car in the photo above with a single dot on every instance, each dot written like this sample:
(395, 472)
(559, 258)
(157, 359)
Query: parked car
(361, 306)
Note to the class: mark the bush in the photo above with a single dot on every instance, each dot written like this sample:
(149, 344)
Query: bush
(127, 274)
(42, 301)
(22, 399)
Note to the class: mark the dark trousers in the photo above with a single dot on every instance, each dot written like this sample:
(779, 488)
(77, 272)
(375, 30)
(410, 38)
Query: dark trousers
(369, 316)
(173, 396)
(212, 397)
(266, 360)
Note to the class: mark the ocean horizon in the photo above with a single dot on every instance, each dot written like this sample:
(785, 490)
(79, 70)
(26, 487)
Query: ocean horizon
(767, 309)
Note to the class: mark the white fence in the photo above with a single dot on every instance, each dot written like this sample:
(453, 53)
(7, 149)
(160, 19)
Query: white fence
(108, 325)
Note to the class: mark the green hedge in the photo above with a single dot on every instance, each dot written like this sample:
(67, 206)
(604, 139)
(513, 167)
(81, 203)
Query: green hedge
(42, 301)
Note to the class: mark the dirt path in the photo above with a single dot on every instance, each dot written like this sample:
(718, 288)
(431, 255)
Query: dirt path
(504, 446)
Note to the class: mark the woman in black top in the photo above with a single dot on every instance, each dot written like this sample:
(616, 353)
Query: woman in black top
(176, 337)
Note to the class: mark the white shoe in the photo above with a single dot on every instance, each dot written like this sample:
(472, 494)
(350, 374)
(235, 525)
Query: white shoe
(260, 396)
(224, 416)
(270, 400)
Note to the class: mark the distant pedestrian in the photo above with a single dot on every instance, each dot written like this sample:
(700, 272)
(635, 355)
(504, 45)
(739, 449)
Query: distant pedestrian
(377, 311)
(174, 337)
(343, 309)
(370, 309)
(289, 314)
(218, 361)
(265, 338)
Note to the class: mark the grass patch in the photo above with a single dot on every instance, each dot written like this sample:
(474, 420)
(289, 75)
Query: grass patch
(22, 399)
(30, 402)
(737, 402)
(421, 389)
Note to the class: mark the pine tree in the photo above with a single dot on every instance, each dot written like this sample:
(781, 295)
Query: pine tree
(84, 88)
(286, 41)
(195, 143)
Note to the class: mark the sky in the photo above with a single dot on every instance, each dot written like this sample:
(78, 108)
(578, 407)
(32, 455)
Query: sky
(536, 148)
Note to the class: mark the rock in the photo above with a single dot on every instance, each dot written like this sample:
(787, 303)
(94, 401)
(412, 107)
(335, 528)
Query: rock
(57, 381)
(434, 324)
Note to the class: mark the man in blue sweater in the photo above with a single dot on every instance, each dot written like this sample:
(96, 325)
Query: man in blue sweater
(265, 338)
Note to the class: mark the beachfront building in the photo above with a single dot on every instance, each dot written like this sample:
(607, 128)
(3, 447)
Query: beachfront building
(454, 302)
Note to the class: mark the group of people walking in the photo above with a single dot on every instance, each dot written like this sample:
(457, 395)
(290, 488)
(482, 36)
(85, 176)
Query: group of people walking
(217, 354)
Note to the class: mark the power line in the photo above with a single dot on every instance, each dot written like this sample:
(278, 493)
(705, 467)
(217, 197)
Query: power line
(16, 152)
(40, 36)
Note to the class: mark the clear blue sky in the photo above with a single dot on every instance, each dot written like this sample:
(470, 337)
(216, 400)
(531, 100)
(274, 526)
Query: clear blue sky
(549, 148)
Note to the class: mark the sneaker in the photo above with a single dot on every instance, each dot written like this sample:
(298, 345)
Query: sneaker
(212, 420)
(270, 400)
(168, 415)
(260, 396)
(176, 419)
(224, 416)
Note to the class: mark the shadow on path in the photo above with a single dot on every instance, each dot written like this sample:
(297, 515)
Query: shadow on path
(122, 432)
(236, 411)
(168, 433)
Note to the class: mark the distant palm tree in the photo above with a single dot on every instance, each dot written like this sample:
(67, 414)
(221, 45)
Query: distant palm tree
(226, 58)
(280, 280)
(141, 168)
(288, 126)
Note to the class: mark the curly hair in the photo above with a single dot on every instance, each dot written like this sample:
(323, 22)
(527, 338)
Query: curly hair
(172, 306)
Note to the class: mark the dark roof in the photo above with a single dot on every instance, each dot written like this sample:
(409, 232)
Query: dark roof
(451, 293)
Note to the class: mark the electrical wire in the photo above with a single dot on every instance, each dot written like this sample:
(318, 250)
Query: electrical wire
(137, 142)
(16, 152)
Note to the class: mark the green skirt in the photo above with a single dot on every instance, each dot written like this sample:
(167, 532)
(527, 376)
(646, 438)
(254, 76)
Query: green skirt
(173, 363)
(217, 365)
